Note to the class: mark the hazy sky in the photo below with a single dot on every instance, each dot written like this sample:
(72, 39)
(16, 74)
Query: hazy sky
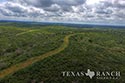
(101, 11)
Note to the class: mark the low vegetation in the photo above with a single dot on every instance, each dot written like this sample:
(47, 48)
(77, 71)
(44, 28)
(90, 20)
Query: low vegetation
(98, 49)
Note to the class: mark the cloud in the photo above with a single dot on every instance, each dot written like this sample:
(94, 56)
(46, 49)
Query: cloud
(69, 2)
(39, 3)
(53, 8)
(65, 10)
(15, 9)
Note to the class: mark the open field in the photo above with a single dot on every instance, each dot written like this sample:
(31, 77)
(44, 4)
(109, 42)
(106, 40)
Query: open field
(36, 54)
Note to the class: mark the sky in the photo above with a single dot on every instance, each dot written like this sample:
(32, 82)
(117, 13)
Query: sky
(83, 11)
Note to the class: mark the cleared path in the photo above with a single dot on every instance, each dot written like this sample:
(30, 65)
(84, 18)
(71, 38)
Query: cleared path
(32, 60)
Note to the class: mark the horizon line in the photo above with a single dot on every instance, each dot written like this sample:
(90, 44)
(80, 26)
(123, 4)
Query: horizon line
(82, 23)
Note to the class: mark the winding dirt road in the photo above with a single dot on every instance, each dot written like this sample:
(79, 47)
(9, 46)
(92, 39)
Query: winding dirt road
(32, 60)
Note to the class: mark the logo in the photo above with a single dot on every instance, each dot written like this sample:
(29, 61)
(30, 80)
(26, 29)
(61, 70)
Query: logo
(93, 74)
(90, 73)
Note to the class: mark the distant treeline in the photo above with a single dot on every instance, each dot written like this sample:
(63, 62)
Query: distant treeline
(31, 24)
